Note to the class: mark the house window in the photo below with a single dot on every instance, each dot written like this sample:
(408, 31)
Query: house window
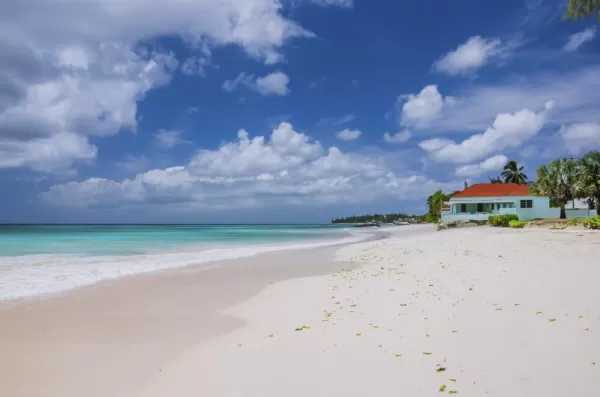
(479, 207)
(463, 208)
(503, 205)
(526, 203)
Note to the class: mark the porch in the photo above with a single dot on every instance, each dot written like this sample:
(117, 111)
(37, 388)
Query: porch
(476, 211)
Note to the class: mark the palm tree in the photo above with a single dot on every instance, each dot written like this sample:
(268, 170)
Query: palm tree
(436, 201)
(513, 173)
(556, 181)
(495, 180)
(587, 179)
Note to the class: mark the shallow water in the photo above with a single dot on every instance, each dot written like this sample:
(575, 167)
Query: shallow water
(43, 259)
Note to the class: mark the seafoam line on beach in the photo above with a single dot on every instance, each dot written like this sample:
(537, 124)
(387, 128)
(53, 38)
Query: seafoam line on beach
(35, 275)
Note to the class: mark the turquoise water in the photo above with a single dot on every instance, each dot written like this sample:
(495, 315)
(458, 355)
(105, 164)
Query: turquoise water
(140, 239)
(46, 259)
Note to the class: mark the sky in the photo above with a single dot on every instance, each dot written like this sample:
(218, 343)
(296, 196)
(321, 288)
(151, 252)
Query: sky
(278, 111)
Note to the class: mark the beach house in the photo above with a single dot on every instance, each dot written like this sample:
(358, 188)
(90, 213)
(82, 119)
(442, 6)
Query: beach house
(479, 201)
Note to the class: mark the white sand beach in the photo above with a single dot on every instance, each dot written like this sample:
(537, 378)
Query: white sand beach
(472, 312)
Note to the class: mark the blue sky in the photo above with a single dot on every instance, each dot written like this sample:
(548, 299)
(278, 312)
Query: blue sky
(281, 111)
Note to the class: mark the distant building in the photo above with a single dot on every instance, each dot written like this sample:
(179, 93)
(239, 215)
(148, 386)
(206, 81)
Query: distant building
(578, 204)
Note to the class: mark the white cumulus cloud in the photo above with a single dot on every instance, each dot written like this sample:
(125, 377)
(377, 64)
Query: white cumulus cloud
(580, 137)
(507, 131)
(286, 167)
(494, 163)
(420, 110)
(472, 108)
(74, 69)
(348, 134)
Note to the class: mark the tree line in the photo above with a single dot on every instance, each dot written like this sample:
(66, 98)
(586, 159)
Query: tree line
(387, 218)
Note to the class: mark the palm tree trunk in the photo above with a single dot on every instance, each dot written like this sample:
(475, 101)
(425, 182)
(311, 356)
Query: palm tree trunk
(563, 213)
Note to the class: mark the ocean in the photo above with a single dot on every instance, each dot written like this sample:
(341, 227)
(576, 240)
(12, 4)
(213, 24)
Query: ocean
(45, 259)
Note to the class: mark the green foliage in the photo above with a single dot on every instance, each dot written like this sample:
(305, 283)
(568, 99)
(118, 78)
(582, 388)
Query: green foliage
(592, 223)
(502, 220)
(435, 203)
(380, 218)
(495, 180)
(516, 224)
(556, 181)
(512, 173)
(582, 8)
(431, 218)
(587, 179)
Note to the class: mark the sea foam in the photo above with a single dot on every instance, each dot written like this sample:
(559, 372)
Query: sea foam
(33, 275)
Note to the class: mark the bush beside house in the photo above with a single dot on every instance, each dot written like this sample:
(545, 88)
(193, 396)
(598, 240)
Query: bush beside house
(517, 224)
(592, 223)
(502, 220)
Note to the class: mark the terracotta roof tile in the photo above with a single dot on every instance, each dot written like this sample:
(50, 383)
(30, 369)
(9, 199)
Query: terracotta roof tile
(494, 190)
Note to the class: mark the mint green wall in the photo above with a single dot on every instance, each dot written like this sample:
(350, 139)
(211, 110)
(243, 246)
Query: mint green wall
(541, 208)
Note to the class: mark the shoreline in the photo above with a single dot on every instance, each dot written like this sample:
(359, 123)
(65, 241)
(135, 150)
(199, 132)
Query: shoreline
(499, 310)
(158, 314)
(90, 270)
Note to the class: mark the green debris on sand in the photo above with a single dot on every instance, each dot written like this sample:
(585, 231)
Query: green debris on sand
(358, 334)
(302, 328)
(440, 369)
(270, 336)
(452, 392)
(452, 380)
(551, 320)
(454, 332)
(539, 312)
(427, 353)
(398, 355)
(240, 345)
(442, 388)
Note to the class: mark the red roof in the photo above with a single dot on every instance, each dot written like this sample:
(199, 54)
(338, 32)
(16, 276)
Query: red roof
(494, 190)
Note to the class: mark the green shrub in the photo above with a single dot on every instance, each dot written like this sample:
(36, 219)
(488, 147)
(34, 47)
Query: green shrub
(502, 220)
(516, 224)
(574, 222)
(592, 223)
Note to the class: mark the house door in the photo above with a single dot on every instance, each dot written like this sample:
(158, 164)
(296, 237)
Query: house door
(479, 207)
